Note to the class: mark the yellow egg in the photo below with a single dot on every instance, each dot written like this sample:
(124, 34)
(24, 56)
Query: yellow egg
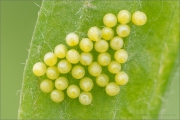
(124, 16)
(86, 45)
(121, 56)
(94, 33)
(73, 56)
(61, 83)
(123, 30)
(102, 80)
(110, 20)
(72, 39)
(95, 69)
(50, 59)
(101, 46)
(139, 18)
(86, 58)
(116, 43)
(121, 78)
(85, 98)
(39, 69)
(46, 86)
(60, 51)
(86, 84)
(104, 59)
(107, 33)
(112, 89)
(114, 67)
(64, 66)
(52, 72)
(78, 72)
(73, 91)
(57, 96)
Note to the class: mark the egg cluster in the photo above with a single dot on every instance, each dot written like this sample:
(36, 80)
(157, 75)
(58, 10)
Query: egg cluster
(98, 39)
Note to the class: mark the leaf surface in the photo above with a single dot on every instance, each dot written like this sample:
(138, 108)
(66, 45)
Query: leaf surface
(152, 49)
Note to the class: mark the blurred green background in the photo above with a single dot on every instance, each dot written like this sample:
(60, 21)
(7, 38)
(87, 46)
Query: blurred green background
(18, 20)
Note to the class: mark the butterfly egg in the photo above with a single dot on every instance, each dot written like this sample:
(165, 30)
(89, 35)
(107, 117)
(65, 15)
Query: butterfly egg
(107, 33)
(104, 59)
(86, 58)
(110, 20)
(112, 89)
(85, 98)
(78, 72)
(46, 86)
(95, 69)
(57, 96)
(73, 91)
(64, 66)
(94, 33)
(102, 80)
(52, 72)
(114, 67)
(123, 30)
(86, 84)
(116, 43)
(50, 59)
(61, 83)
(73, 56)
(39, 69)
(121, 78)
(139, 18)
(101, 46)
(60, 51)
(72, 39)
(86, 45)
(124, 16)
(121, 56)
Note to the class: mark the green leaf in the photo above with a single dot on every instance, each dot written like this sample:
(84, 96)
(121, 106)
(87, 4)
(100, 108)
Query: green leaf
(152, 48)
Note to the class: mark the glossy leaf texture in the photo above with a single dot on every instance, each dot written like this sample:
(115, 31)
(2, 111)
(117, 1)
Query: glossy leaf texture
(152, 49)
